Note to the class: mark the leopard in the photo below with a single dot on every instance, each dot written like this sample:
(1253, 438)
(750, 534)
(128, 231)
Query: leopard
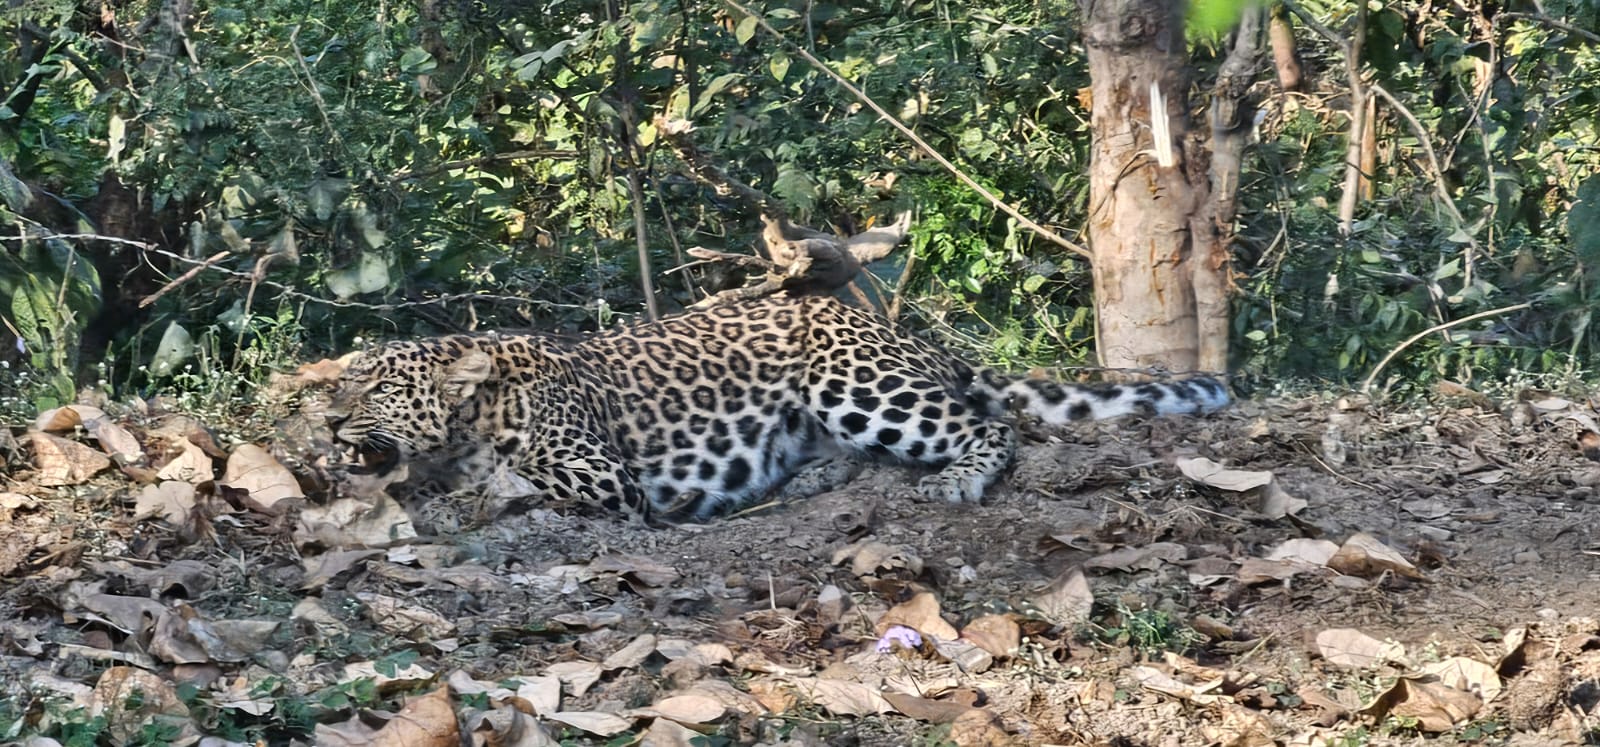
(706, 411)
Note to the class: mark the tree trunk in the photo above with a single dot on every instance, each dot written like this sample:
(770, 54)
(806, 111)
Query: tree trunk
(1142, 214)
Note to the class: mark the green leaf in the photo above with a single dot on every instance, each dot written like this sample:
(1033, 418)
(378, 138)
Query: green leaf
(779, 65)
(416, 61)
(745, 30)
(1033, 283)
(1583, 223)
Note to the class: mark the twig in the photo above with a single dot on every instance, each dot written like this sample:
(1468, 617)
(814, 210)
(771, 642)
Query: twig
(1421, 132)
(184, 278)
(311, 85)
(1366, 385)
(516, 155)
(999, 204)
(1551, 22)
(1358, 125)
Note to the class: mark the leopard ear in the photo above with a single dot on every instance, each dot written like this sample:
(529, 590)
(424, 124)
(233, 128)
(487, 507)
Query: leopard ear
(464, 375)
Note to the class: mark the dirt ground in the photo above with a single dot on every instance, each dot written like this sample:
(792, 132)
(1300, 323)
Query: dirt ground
(1354, 576)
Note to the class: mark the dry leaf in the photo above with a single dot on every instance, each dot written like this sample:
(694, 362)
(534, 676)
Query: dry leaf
(977, 728)
(594, 722)
(1277, 503)
(62, 462)
(1469, 675)
(133, 699)
(1156, 680)
(869, 557)
(320, 569)
(997, 634)
(1146, 558)
(1348, 647)
(686, 709)
(576, 675)
(398, 678)
(172, 500)
(1240, 727)
(1364, 556)
(635, 568)
(191, 465)
(842, 697)
(1207, 472)
(348, 522)
(920, 613)
(1067, 600)
(1312, 551)
(252, 468)
(925, 709)
(63, 419)
(427, 721)
(668, 733)
(966, 655)
(1435, 707)
(508, 727)
(542, 695)
(115, 440)
(631, 655)
(243, 695)
(398, 617)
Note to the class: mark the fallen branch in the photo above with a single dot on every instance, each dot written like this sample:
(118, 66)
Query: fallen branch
(1366, 385)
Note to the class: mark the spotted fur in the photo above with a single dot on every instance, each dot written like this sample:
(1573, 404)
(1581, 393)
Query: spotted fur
(709, 409)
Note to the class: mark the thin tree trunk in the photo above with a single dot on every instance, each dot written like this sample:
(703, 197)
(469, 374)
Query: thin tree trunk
(1232, 118)
(1141, 213)
(1284, 55)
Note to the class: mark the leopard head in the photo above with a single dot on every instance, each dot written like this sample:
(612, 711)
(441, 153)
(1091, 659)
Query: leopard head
(395, 402)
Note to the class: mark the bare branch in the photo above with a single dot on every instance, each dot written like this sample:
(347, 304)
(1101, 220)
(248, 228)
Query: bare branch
(999, 204)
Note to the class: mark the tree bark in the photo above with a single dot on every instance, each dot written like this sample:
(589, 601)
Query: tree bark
(1142, 215)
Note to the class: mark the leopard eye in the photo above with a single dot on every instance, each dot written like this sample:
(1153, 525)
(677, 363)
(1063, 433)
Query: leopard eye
(388, 388)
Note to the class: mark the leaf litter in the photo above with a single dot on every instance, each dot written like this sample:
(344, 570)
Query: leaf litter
(1286, 573)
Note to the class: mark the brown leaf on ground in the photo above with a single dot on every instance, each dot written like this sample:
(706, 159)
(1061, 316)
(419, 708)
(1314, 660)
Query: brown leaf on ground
(978, 728)
(426, 721)
(190, 464)
(926, 709)
(508, 727)
(351, 523)
(540, 694)
(131, 699)
(1240, 727)
(1364, 556)
(1067, 600)
(1145, 558)
(920, 613)
(61, 462)
(1466, 674)
(668, 733)
(578, 676)
(635, 569)
(688, 708)
(1435, 706)
(387, 679)
(253, 468)
(1348, 647)
(115, 441)
(172, 500)
(869, 557)
(1208, 472)
(594, 722)
(1156, 680)
(65, 419)
(997, 634)
(840, 697)
(399, 617)
(320, 569)
(631, 655)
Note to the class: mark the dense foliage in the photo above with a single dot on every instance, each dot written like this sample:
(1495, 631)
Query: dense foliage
(369, 168)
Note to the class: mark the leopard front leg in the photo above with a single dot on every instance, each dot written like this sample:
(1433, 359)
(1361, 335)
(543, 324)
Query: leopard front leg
(584, 470)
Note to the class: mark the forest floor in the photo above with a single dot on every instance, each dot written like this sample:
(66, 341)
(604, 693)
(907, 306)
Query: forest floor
(1353, 576)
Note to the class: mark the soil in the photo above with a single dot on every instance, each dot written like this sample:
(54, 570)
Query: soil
(1491, 507)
